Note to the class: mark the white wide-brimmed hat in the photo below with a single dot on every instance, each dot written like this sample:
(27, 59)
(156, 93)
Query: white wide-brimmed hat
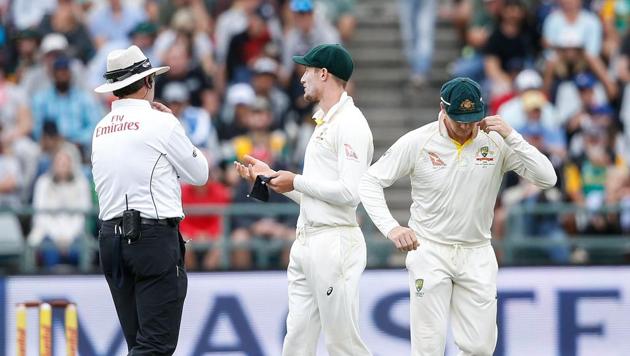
(126, 66)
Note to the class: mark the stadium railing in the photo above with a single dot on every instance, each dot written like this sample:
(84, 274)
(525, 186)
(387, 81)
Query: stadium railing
(520, 248)
(516, 248)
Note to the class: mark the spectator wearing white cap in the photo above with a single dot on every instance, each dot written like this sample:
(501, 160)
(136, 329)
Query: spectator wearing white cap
(38, 77)
(529, 85)
(265, 84)
(238, 102)
(196, 121)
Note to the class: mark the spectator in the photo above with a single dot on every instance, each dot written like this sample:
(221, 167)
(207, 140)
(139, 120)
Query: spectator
(623, 73)
(142, 35)
(50, 143)
(514, 112)
(236, 110)
(196, 121)
(541, 226)
(576, 110)
(341, 14)
(65, 20)
(549, 139)
(265, 84)
(203, 228)
(618, 195)
(58, 234)
(571, 17)
(586, 177)
(510, 48)
(183, 70)
(39, 76)
(25, 46)
(417, 24)
(579, 95)
(16, 124)
(260, 142)
(576, 34)
(246, 47)
(74, 111)
(113, 21)
(485, 14)
(308, 31)
(189, 31)
(28, 13)
(615, 16)
(10, 179)
(230, 23)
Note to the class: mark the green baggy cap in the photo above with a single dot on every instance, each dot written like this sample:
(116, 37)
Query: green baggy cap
(462, 100)
(333, 57)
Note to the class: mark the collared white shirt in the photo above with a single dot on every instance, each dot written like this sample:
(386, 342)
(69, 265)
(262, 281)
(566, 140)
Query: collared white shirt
(141, 153)
(338, 153)
(453, 186)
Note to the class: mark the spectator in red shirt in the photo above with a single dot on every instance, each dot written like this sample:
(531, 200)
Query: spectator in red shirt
(204, 227)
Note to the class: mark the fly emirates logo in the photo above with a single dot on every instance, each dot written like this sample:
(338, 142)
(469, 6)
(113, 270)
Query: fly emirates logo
(117, 124)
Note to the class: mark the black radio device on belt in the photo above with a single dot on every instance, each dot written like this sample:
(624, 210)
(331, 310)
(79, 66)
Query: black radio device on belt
(131, 223)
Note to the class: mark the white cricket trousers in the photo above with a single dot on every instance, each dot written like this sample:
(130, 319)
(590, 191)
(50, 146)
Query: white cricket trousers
(459, 281)
(324, 271)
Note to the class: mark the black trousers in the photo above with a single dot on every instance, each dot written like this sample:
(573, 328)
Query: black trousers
(149, 297)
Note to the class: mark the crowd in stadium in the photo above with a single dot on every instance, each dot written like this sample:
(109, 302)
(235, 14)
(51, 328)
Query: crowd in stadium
(555, 70)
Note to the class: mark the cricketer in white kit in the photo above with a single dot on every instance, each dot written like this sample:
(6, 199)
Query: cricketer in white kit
(329, 254)
(456, 165)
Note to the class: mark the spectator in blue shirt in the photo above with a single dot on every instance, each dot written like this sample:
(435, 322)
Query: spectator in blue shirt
(74, 111)
(113, 21)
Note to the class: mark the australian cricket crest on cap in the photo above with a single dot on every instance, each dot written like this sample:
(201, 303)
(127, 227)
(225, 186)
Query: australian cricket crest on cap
(467, 105)
(419, 285)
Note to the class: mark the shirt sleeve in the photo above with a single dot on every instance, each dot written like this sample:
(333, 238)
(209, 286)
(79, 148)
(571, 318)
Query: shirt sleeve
(295, 196)
(354, 154)
(189, 162)
(593, 33)
(527, 161)
(397, 162)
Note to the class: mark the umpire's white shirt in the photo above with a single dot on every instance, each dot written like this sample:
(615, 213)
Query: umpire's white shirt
(339, 152)
(453, 187)
(142, 153)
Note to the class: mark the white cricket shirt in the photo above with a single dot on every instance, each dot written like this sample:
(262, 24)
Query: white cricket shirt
(453, 187)
(338, 153)
(142, 152)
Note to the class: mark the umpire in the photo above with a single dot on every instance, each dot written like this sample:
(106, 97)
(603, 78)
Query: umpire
(139, 152)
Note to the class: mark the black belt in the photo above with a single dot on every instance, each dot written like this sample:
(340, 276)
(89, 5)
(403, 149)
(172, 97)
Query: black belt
(147, 221)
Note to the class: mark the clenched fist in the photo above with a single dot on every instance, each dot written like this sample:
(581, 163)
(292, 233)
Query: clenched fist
(404, 238)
